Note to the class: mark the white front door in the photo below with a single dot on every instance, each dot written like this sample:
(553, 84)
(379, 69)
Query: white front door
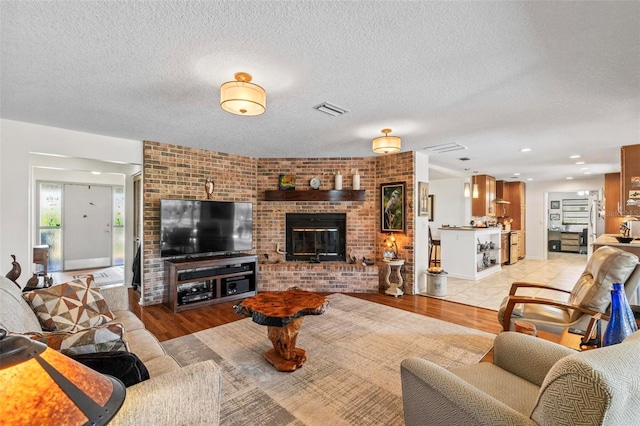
(87, 226)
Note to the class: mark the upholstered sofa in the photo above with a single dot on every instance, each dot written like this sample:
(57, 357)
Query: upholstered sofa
(172, 395)
(531, 382)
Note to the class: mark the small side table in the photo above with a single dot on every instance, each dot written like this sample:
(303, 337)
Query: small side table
(394, 288)
(41, 257)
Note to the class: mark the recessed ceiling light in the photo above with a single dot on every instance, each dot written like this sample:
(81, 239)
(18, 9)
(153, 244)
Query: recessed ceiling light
(96, 173)
(525, 150)
(516, 174)
(575, 156)
(580, 162)
(569, 177)
(584, 168)
(529, 178)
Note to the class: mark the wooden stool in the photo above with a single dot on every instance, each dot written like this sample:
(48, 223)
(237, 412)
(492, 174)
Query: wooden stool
(434, 248)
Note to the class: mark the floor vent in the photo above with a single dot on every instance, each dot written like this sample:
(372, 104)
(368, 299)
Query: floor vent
(445, 147)
(331, 109)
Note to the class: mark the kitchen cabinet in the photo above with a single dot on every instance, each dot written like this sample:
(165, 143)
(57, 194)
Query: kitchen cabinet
(485, 203)
(470, 253)
(612, 206)
(630, 180)
(515, 193)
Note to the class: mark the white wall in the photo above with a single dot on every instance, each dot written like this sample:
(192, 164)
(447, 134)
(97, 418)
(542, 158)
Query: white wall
(450, 205)
(421, 235)
(537, 201)
(19, 142)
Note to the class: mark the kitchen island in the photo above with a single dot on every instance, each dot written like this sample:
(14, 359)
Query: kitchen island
(610, 240)
(470, 253)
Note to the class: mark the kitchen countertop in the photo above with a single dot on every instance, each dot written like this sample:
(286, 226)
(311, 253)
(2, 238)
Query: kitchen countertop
(470, 228)
(610, 240)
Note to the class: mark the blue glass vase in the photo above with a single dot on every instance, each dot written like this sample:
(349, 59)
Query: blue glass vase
(621, 321)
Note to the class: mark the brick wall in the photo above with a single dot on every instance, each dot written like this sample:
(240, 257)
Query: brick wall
(172, 171)
(399, 168)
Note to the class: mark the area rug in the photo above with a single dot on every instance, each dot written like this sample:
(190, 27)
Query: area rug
(103, 277)
(352, 372)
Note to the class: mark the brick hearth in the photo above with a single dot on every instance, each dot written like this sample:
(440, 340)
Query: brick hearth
(335, 277)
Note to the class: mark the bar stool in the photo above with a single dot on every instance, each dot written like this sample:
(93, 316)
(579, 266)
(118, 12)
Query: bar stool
(434, 250)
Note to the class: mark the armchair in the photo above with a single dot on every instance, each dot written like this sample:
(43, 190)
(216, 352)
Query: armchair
(590, 295)
(531, 382)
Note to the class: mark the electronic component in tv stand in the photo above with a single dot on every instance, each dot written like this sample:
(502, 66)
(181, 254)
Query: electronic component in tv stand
(208, 281)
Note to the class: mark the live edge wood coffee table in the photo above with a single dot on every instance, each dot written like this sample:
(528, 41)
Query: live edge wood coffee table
(282, 312)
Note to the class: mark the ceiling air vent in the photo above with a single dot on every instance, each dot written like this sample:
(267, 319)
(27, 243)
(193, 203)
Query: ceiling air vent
(331, 109)
(444, 147)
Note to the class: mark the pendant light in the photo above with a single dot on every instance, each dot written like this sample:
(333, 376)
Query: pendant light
(242, 97)
(386, 144)
(475, 193)
(467, 190)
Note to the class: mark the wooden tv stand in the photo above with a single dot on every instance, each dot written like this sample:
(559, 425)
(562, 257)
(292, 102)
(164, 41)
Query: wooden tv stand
(206, 281)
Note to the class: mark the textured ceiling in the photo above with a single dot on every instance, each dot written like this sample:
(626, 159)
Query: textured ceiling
(560, 78)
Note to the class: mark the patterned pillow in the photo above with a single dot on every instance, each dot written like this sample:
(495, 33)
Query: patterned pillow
(105, 338)
(69, 306)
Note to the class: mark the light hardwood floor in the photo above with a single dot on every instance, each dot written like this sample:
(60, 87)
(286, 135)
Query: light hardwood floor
(561, 270)
(165, 325)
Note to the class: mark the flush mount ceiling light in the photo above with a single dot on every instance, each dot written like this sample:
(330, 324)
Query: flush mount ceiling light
(386, 144)
(242, 97)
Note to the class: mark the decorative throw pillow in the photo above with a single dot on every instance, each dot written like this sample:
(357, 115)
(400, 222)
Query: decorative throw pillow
(105, 338)
(69, 306)
(122, 365)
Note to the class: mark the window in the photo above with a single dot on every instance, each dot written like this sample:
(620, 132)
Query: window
(575, 212)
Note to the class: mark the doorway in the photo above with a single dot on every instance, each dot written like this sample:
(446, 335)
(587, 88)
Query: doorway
(83, 225)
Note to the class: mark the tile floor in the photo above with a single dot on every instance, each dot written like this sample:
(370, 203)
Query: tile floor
(560, 270)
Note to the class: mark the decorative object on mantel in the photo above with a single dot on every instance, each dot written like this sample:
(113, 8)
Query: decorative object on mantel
(208, 187)
(338, 181)
(241, 97)
(350, 257)
(315, 183)
(386, 144)
(287, 182)
(356, 180)
(367, 262)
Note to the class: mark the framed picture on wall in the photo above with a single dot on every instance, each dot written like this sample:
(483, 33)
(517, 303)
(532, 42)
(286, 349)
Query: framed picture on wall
(555, 204)
(392, 211)
(554, 216)
(423, 199)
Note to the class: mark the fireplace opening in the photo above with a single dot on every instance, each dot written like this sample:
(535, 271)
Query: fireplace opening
(316, 236)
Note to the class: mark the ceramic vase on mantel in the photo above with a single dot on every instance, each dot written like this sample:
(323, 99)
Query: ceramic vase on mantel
(356, 180)
(621, 323)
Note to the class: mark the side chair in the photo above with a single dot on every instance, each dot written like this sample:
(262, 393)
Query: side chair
(590, 295)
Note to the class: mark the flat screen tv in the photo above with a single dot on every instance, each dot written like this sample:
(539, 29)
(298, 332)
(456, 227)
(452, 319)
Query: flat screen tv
(197, 227)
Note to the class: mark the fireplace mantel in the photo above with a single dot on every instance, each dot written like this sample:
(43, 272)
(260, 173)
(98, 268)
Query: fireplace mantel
(316, 195)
